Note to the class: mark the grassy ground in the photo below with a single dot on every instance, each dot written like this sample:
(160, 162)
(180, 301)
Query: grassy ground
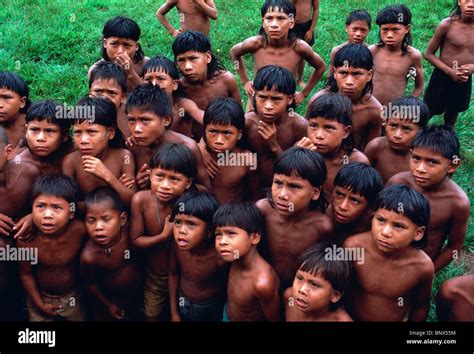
(52, 43)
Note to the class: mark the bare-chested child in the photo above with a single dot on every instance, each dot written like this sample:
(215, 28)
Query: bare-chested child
(353, 78)
(394, 278)
(319, 284)
(273, 126)
(330, 133)
(150, 113)
(253, 288)
(233, 171)
(48, 141)
(450, 86)
(101, 158)
(197, 274)
(108, 264)
(355, 188)
(194, 15)
(120, 44)
(6, 154)
(454, 301)
(357, 28)
(277, 44)
(173, 169)
(162, 72)
(204, 77)
(402, 119)
(395, 60)
(307, 15)
(52, 285)
(109, 80)
(435, 157)
(14, 104)
(294, 214)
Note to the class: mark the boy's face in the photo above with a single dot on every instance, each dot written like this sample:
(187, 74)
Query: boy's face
(347, 207)
(271, 104)
(357, 31)
(233, 242)
(467, 8)
(44, 138)
(168, 185)
(108, 88)
(117, 45)
(292, 194)
(313, 293)
(400, 133)
(189, 231)
(351, 81)
(10, 105)
(51, 214)
(277, 24)
(393, 232)
(326, 134)
(220, 138)
(430, 168)
(392, 34)
(92, 139)
(104, 223)
(6, 153)
(146, 126)
(161, 79)
(193, 65)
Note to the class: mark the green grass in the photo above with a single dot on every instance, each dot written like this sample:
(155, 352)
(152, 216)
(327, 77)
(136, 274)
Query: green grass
(52, 44)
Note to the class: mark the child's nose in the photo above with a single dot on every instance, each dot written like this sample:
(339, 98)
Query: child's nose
(41, 136)
(344, 205)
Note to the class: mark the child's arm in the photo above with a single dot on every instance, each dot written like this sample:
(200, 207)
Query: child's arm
(309, 35)
(191, 108)
(232, 87)
(161, 15)
(173, 283)
(267, 293)
(250, 45)
(457, 235)
(371, 151)
(419, 78)
(208, 7)
(201, 176)
(316, 62)
(421, 298)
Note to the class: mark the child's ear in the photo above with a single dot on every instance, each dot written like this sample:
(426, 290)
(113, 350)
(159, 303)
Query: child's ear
(336, 296)
(175, 85)
(455, 163)
(347, 130)
(316, 193)
(122, 101)
(208, 57)
(371, 73)
(104, 42)
(255, 238)
(240, 135)
(23, 102)
(9, 151)
(290, 100)
(189, 183)
(123, 218)
(167, 121)
(420, 231)
(111, 132)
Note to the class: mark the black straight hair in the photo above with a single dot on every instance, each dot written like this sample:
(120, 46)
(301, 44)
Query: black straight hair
(175, 157)
(197, 42)
(335, 107)
(49, 111)
(105, 194)
(104, 113)
(273, 77)
(56, 185)
(244, 215)
(440, 139)
(107, 70)
(150, 98)
(225, 111)
(308, 165)
(359, 178)
(399, 14)
(416, 110)
(123, 27)
(162, 63)
(201, 205)
(285, 6)
(12, 81)
(359, 15)
(406, 201)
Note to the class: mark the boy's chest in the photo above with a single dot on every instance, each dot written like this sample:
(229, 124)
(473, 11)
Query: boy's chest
(203, 94)
(59, 253)
(285, 136)
(285, 57)
(232, 170)
(392, 65)
(88, 182)
(154, 216)
(196, 268)
(460, 37)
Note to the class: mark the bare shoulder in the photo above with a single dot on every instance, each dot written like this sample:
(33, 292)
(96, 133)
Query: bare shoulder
(263, 205)
(401, 178)
(252, 44)
(459, 197)
(88, 255)
(77, 228)
(266, 281)
(374, 49)
(444, 25)
(301, 46)
(375, 147)
(414, 53)
(343, 316)
(358, 240)
(287, 294)
(140, 198)
(72, 158)
(423, 264)
(227, 77)
(358, 156)
(251, 119)
(317, 94)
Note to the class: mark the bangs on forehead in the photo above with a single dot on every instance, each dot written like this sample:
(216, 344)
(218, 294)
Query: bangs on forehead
(313, 268)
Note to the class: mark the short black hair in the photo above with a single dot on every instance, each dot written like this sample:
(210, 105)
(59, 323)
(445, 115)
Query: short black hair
(225, 111)
(104, 113)
(356, 56)
(285, 6)
(197, 42)
(406, 201)
(12, 81)
(175, 157)
(244, 215)
(336, 107)
(360, 178)
(314, 260)
(359, 15)
(162, 63)
(107, 70)
(308, 165)
(412, 108)
(105, 194)
(440, 139)
(148, 97)
(56, 185)
(123, 27)
(201, 205)
(395, 14)
(273, 77)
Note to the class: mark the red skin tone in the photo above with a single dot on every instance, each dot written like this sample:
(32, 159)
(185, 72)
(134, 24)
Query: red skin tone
(454, 301)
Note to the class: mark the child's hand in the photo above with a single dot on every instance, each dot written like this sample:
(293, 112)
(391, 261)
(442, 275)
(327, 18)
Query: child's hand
(96, 167)
(468, 69)
(6, 225)
(299, 97)
(176, 32)
(168, 228)
(143, 176)
(308, 37)
(306, 143)
(50, 309)
(248, 87)
(209, 163)
(457, 75)
(125, 62)
(127, 181)
(268, 132)
(24, 228)
(131, 142)
(175, 317)
(116, 312)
